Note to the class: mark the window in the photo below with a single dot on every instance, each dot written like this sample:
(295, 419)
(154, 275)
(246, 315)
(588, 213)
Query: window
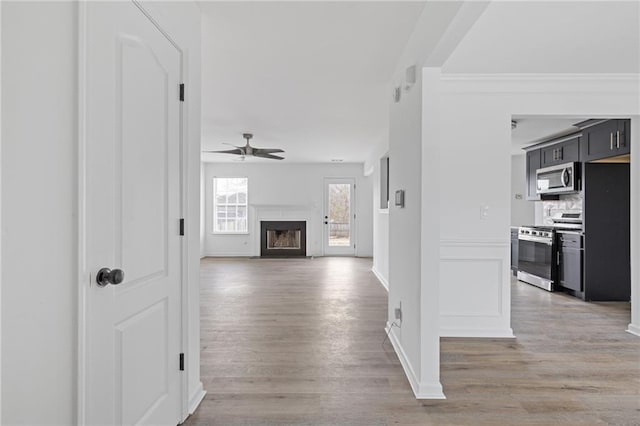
(230, 205)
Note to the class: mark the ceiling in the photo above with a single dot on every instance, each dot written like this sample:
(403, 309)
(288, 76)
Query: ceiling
(311, 78)
(551, 37)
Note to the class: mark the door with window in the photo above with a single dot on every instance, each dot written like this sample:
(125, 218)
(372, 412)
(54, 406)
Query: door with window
(339, 217)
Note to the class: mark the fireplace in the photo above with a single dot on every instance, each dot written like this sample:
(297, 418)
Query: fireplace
(283, 238)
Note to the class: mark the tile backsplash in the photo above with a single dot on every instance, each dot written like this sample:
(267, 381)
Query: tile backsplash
(571, 203)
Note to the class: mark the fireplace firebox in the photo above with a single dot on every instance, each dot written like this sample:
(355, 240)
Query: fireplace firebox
(283, 239)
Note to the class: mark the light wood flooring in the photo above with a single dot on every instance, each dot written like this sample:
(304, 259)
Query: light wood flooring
(299, 342)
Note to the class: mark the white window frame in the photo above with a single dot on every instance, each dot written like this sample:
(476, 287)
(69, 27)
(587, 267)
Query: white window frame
(214, 204)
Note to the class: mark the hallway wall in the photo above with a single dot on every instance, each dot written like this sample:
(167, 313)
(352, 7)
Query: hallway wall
(39, 252)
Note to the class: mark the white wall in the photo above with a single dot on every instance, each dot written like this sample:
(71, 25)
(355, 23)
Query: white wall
(522, 211)
(203, 222)
(405, 135)
(296, 188)
(38, 228)
(634, 325)
(38, 209)
(380, 232)
(39, 184)
(413, 230)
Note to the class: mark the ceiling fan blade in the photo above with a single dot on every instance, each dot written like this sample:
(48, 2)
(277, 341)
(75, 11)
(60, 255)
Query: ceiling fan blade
(229, 151)
(230, 144)
(266, 150)
(273, 157)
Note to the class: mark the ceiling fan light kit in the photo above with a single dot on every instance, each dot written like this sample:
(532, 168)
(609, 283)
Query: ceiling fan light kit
(248, 150)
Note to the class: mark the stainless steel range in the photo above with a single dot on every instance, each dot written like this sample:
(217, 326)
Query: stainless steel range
(568, 220)
(537, 256)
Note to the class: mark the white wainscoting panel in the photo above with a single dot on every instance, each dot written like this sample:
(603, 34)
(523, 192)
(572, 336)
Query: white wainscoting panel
(475, 288)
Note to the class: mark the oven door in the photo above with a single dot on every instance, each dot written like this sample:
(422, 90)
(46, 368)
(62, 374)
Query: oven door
(536, 260)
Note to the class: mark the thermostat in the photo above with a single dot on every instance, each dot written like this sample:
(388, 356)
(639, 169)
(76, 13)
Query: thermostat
(400, 198)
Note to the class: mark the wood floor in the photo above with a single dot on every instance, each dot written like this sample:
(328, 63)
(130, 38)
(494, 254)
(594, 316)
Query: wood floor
(299, 342)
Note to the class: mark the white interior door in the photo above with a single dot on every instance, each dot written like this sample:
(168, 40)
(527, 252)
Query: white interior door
(339, 217)
(132, 201)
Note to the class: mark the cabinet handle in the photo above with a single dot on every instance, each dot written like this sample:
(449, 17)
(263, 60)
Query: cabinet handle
(611, 141)
(618, 139)
(558, 258)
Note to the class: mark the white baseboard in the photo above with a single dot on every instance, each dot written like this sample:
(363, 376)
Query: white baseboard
(420, 390)
(196, 398)
(506, 333)
(380, 278)
(634, 329)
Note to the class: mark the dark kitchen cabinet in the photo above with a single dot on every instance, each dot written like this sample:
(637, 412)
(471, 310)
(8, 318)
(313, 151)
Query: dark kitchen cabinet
(607, 226)
(562, 152)
(533, 164)
(570, 258)
(607, 139)
(514, 251)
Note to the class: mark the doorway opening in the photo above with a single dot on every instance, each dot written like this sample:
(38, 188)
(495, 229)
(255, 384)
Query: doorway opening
(571, 204)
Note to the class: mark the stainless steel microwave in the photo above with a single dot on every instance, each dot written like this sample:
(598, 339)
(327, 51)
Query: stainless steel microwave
(559, 179)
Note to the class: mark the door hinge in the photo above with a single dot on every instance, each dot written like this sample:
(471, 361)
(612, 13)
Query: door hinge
(182, 227)
(354, 246)
(182, 362)
(181, 92)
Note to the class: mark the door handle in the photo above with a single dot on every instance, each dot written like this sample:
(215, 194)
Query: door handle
(611, 141)
(618, 139)
(109, 276)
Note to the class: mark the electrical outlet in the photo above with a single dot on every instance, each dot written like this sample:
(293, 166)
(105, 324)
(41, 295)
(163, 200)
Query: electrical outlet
(398, 312)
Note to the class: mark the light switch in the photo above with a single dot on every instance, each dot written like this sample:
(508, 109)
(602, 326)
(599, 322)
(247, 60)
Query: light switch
(484, 211)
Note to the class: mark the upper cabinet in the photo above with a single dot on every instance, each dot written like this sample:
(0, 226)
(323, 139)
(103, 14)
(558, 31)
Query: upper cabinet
(562, 152)
(607, 139)
(533, 164)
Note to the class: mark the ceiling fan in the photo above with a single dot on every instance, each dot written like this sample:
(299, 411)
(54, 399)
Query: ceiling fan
(248, 150)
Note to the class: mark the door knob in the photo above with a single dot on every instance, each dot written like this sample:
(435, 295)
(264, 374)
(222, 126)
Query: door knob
(109, 276)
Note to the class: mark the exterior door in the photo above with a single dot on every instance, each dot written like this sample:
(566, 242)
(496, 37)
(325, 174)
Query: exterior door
(339, 217)
(131, 342)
